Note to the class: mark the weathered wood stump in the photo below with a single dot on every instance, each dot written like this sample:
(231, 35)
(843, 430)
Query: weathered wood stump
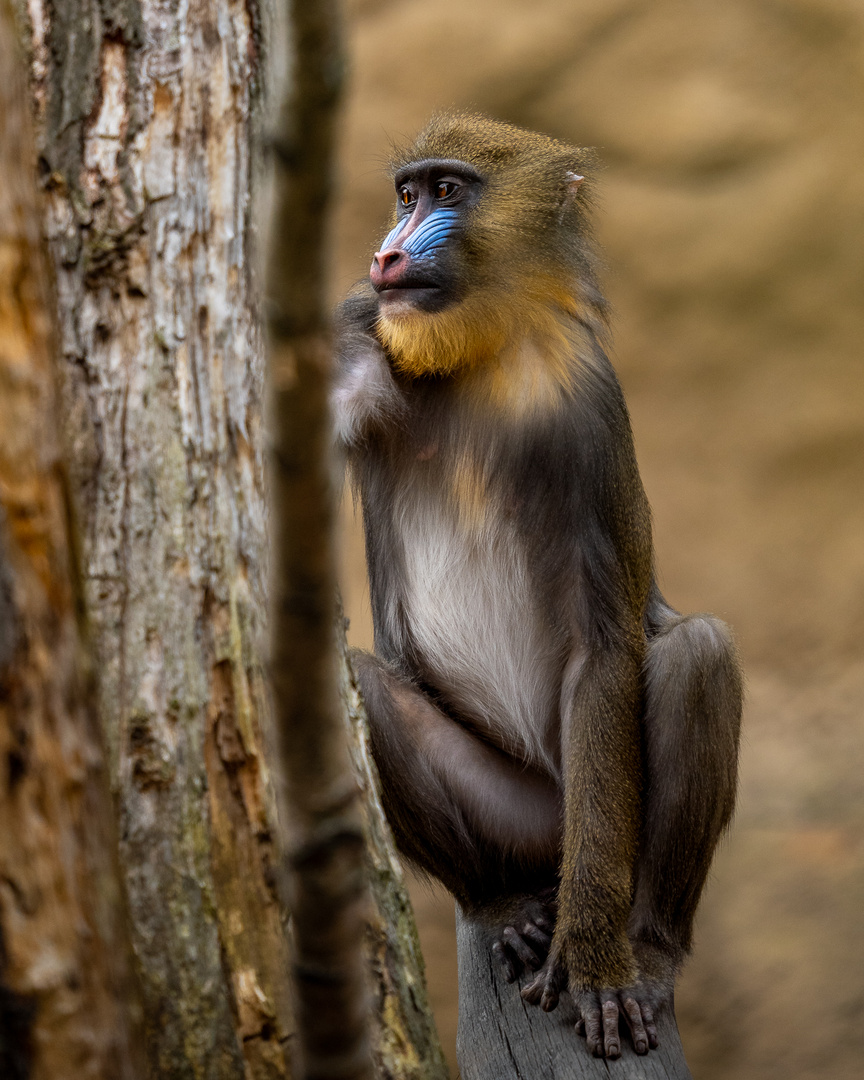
(501, 1037)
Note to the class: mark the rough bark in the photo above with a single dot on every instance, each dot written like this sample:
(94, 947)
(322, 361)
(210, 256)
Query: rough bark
(145, 112)
(67, 994)
(502, 1038)
(327, 880)
(405, 1044)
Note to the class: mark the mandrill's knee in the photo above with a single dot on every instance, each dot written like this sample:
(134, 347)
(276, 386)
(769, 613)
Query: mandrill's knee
(395, 708)
(692, 643)
(692, 670)
(373, 680)
(364, 665)
(708, 637)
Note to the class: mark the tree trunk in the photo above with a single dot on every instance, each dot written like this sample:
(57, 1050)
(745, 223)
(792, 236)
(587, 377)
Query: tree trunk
(145, 113)
(502, 1038)
(145, 116)
(67, 995)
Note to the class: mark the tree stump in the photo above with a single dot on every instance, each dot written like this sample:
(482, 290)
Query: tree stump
(501, 1037)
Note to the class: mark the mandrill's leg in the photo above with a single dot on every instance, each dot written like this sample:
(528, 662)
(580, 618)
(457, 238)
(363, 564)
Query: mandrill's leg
(482, 822)
(692, 722)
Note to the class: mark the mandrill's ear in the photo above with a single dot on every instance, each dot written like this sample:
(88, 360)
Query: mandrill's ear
(572, 181)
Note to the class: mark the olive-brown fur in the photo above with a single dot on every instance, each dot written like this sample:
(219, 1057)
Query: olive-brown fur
(540, 716)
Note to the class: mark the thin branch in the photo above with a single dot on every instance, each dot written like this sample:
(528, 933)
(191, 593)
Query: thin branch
(326, 850)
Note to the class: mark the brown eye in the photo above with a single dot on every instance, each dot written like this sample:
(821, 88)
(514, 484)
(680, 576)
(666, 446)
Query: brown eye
(405, 196)
(444, 189)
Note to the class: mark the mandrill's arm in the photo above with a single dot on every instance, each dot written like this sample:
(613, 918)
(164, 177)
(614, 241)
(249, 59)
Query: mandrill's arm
(365, 394)
(601, 697)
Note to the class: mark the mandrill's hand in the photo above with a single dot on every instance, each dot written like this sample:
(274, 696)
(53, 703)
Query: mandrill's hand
(601, 1011)
(364, 395)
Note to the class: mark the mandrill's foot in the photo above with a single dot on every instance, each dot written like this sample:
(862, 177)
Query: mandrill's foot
(524, 933)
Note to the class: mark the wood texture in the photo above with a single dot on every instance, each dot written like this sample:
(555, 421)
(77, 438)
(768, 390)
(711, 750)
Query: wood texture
(502, 1038)
(68, 1002)
(146, 112)
(405, 1044)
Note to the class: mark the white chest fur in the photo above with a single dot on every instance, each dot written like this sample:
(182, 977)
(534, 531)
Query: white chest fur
(477, 624)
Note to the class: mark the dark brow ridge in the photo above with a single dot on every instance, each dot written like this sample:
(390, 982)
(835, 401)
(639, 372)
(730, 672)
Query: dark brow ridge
(426, 165)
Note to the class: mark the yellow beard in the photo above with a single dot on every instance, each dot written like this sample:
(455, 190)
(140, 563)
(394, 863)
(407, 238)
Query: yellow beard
(472, 333)
(423, 343)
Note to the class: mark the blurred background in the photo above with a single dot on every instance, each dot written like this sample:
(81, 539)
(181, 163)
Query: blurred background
(732, 222)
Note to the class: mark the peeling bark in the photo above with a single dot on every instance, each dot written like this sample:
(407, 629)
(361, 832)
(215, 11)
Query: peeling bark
(145, 111)
(67, 994)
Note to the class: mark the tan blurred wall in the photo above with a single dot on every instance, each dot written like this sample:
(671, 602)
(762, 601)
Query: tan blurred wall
(733, 228)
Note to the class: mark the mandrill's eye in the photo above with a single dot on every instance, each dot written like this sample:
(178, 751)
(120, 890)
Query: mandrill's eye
(405, 196)
(443, 189)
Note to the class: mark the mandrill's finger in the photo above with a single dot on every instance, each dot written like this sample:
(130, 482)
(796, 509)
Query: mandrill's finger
(545, 989)
(549, 1001)
(537, 936)
(521, 948)
(545, 921)
(633, 1014)
(533, 992)
(593, 1028)
(500, 954)
(650, 1027)
(611, 1035)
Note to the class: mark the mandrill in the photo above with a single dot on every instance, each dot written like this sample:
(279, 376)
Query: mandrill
(556, 744)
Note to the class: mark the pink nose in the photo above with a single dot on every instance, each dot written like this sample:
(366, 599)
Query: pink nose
(387, 267)
(387, 259)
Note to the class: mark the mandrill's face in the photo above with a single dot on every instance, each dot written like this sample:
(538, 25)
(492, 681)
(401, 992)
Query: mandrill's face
(419, 268)
(485, 249)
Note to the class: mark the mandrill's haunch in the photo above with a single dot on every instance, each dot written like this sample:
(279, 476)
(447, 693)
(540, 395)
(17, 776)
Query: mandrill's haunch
(556, 744)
